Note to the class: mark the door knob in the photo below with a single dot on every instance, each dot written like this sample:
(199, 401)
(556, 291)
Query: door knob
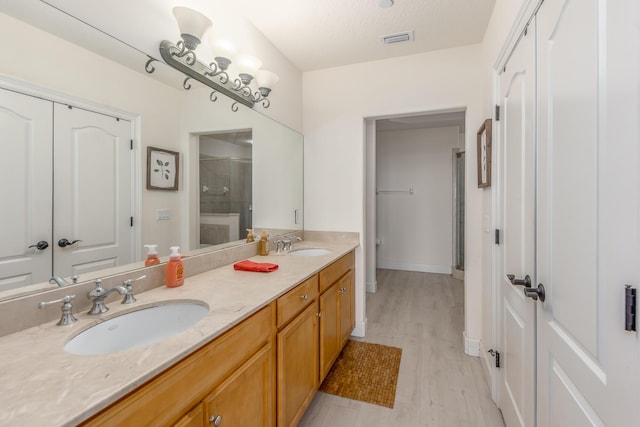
(41, 245)
(535, 293)
(526, 282)
(63, 243)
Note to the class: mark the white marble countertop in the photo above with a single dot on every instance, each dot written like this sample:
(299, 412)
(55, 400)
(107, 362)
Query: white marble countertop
(41, 384)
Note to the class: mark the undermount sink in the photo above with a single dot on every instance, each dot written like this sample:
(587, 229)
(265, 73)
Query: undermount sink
(137, 328)
(310, 252)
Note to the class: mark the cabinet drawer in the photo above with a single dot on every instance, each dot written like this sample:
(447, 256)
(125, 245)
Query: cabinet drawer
(191, 379)
(294, 301)
(335, 271)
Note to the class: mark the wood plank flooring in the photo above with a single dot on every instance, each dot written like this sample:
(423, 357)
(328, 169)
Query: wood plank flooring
(438, 384)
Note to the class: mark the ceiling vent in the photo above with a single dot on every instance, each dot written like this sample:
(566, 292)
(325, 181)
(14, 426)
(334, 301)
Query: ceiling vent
(397, 37)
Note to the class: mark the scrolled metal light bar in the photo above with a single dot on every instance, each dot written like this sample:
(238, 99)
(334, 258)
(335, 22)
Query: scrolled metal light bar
(174, 56)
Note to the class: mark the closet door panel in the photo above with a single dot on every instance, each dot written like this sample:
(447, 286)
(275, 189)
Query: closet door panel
(92, 191)
(26, 176)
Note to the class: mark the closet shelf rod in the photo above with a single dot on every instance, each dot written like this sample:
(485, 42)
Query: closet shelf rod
(410, 191)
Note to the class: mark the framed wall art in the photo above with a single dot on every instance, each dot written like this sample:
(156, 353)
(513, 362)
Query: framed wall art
(484, 154)
(163, 168)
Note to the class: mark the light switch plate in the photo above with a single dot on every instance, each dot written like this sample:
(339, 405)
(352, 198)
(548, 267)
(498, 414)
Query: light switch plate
(163, 214)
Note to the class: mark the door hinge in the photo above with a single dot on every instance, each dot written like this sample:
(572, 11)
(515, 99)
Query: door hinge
(131, 221)
(131, 144)
(629, 308)
(497, 113)
(497, 237)
(495, 354)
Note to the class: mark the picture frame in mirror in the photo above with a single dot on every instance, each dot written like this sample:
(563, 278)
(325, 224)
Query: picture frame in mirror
(163, 167)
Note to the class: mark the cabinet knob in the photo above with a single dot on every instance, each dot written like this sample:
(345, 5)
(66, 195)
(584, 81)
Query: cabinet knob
(319, 314)
(215, 420)
(304, 297)
(343, 290)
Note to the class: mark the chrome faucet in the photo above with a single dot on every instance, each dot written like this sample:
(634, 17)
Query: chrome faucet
(289, 241)
(61, 282)
(98, 295)
(67, 316)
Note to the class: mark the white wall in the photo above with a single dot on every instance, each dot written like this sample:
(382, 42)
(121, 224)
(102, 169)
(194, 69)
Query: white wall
(416, 230)
(335, 103)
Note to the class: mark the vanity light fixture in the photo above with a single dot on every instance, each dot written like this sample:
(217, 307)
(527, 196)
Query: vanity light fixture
(181, 56)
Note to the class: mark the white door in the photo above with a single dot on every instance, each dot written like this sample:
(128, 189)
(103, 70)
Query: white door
(588, 215)
(92, 187)
(25, 139)
(516, 170)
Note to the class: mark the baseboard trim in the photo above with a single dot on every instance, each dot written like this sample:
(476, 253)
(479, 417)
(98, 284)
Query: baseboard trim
(471, 346)
(372, 288)
(360, 329)
(423, 268)
(457, 274)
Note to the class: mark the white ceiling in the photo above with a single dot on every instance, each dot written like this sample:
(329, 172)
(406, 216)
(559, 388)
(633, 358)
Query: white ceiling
(312, 34)
(317, 34)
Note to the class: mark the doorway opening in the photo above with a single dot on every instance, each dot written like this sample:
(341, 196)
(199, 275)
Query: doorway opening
(415, 173)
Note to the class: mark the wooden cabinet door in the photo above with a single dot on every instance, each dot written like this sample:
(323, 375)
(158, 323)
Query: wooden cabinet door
(297, 366)
(329, 329)
(193, 418)
(346, 304)
(245, 398)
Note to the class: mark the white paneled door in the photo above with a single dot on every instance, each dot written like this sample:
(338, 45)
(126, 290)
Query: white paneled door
(25, 191)
(569, 171)
(588, 216)
(516, 392)
(67, 177)
(92, 187)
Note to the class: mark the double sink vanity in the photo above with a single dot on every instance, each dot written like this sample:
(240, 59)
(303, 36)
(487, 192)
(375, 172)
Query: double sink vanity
(229, 347)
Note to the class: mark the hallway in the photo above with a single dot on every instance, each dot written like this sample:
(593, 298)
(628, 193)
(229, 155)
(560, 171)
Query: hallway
(438, 384)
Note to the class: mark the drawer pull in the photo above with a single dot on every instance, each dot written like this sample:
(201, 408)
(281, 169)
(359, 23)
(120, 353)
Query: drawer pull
(216, 421)
(304, 297)
(319, 314)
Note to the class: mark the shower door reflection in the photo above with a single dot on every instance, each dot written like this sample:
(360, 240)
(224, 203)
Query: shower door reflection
(225, 186)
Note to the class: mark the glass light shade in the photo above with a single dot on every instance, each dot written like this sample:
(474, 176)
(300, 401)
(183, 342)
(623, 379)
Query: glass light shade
(192, 25)
(267, 79)
(247, 64)
(222, 47)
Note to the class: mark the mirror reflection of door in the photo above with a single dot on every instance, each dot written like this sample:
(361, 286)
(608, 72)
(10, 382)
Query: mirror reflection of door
(67, 179)
(225, 186)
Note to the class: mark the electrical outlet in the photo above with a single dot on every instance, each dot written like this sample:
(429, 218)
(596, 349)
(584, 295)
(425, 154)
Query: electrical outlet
(163, 214)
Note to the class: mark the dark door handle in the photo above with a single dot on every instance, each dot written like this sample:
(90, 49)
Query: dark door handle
(535, 293)
(41, 245)
(526, 282)
(63, 243)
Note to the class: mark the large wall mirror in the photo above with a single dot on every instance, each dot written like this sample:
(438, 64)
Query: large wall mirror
(238, 170)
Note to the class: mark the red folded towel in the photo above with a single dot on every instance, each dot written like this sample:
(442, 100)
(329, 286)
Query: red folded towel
(263, 267)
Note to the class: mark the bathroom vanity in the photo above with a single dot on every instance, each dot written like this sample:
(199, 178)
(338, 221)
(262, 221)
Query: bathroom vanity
(257, 358)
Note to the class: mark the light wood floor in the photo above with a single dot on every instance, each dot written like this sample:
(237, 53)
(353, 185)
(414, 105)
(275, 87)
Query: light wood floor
(438, 384)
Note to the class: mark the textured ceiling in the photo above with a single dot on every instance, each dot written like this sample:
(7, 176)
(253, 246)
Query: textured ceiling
(316, 34)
